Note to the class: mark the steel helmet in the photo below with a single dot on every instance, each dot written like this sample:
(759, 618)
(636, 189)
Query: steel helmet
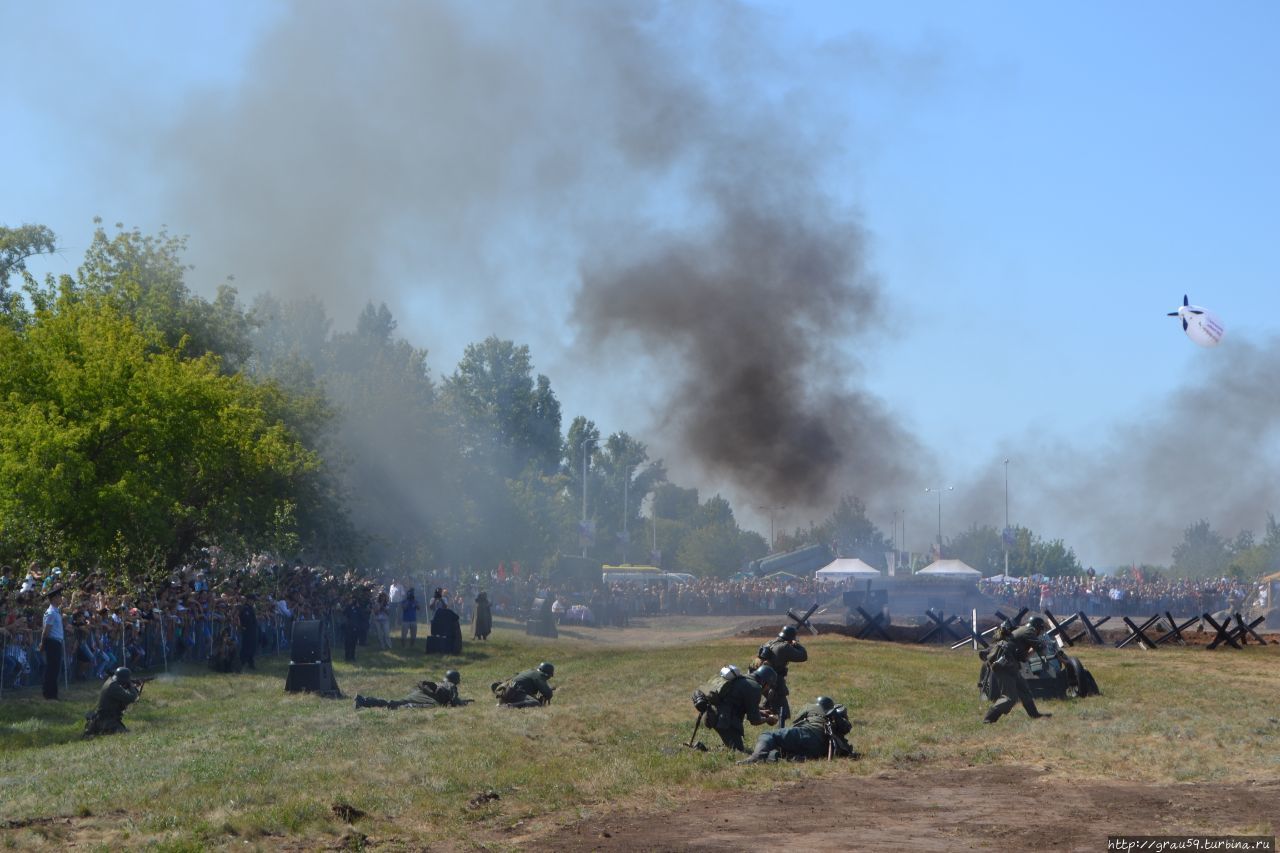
(788, 632)
(826, 703)
(547, 669)
(453, 677)
(123, 673)
(1038, 623)
(766, 674)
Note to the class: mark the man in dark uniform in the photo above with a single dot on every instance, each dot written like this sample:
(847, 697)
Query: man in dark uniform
(427, 694)
(1005, 659)
(779, 654)
(528, 689)
(818, 731)
(117, 694)
(248, 631)
(740, 699)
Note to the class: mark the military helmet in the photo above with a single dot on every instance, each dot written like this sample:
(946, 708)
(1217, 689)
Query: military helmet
(452, 677)
(1038, 623)
(123, 673)
(826, 703)
(547, 669)
(788, 632)
(766, 674)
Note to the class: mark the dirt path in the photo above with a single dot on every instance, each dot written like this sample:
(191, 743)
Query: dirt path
(986, 808)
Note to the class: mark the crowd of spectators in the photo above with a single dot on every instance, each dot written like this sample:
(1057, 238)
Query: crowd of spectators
(203, 612)
(1104, 595)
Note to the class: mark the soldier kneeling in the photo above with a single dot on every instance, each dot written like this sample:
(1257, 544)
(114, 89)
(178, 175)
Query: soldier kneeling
(117, 694)
(818, 731)
(428, 694)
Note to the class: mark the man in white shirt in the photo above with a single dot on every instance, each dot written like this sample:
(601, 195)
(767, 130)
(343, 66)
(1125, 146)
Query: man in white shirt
(395, 596)
(51, 643)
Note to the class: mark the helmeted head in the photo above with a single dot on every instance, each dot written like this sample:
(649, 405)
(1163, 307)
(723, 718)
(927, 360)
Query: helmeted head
(547, 669)
(788, 632)
(453, 677)
(766, 675)
(123, 673)
(826, 703)
(1038, 624)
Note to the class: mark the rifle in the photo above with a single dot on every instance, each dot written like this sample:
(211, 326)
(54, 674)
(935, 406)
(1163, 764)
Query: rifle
(698, 745)
(139, 683)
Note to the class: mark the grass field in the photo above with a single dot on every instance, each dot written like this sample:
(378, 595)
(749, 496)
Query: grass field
(219, 760)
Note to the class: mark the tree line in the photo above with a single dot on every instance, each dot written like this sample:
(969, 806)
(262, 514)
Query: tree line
(141, 423)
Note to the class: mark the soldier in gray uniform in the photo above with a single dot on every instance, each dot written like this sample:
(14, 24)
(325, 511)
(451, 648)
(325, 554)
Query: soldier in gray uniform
(779, 654)
(117, 694)
(528, 689)
(427, 694)
(818, 731)
(1005, 659)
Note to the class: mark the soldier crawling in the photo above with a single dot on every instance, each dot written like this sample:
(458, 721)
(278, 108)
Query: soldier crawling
(117, 694)
(1005, 660)
(818, 731)
(528, 689)
(427, 694)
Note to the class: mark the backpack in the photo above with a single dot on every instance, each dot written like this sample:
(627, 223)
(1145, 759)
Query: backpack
(503, 689)
(709, 694)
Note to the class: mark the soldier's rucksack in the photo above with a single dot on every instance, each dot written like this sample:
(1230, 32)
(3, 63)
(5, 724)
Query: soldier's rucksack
(503, 689)
(707, 697)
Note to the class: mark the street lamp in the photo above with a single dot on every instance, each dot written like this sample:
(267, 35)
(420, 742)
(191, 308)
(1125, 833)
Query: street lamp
(771, 510)
(626, 535)
(1004, 536)
(938, 491)
(584, 444)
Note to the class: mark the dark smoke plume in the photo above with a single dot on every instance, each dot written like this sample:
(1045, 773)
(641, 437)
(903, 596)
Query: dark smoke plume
(744, 315)
(459, 161)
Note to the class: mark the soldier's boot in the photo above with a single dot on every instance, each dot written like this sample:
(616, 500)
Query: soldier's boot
(1040, 715)
(761, 752)
(360, 702)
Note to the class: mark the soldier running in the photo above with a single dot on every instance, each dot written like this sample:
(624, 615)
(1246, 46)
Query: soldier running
(1005, 659)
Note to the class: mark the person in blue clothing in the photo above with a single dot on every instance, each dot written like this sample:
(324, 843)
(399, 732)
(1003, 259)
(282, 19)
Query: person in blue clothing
(409, 619)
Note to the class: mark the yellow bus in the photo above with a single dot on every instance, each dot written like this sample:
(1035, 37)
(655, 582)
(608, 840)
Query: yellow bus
(631, 574)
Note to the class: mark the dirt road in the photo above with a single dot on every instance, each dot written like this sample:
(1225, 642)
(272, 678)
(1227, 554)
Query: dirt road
(975, 808)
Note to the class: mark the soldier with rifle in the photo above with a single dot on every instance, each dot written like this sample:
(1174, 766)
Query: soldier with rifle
(819, 731)
(1005, 659)
(779, 654)
(120, 691)
(528, 689)
(427, 694)
(730, 698)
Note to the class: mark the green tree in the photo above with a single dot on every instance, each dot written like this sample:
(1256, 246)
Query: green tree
(145, 276)
(16, 246)
(980, 547)
(115, 450)
(853, 534)
(506, 418)
(1201, 553)
(1031, 555)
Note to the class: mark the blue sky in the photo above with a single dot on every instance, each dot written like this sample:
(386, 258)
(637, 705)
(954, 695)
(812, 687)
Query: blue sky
(1041, 183)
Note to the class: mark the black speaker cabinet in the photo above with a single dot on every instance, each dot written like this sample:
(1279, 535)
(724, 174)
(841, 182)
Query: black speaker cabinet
(308, 644)
(312, 678)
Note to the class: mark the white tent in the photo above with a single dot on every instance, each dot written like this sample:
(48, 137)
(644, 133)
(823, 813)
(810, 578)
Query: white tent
(846, 569)
(950, 569)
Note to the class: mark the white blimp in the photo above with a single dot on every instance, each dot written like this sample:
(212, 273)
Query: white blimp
(1200, 324)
